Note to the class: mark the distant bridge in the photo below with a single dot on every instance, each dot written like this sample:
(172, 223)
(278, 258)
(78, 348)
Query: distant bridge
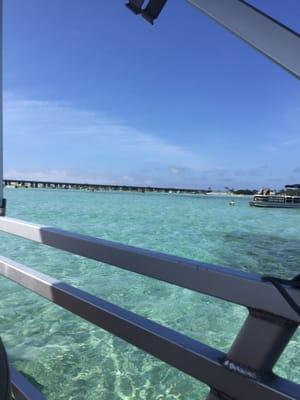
(20, 183)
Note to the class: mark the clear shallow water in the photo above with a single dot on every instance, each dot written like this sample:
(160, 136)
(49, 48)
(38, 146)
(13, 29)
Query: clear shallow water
(70, 359)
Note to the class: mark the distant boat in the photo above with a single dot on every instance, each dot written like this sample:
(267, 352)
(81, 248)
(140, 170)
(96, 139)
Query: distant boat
(289, 198)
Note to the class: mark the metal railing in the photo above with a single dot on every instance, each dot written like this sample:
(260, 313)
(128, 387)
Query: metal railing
(245, 373)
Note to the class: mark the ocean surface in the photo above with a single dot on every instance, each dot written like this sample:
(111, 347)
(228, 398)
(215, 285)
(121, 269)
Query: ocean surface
(67, 358)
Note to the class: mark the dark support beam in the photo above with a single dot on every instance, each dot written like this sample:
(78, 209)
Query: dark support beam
(259, 344)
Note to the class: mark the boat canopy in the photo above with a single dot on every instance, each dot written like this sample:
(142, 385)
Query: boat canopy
(294, 186)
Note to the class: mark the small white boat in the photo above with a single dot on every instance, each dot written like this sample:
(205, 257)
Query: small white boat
(289, 198)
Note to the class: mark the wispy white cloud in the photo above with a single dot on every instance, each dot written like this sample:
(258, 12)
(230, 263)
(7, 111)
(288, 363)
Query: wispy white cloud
(47, 122)
(270, 148)
(36, 174)
(292, 141)
(55, 140)
(285, 134)
(49, 140)
(283, 145)
(60, 175)
(177, 170)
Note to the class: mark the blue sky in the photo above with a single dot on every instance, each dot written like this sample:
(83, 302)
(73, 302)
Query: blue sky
(93, 93)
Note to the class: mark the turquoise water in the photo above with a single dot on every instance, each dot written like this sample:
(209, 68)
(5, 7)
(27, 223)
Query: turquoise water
(68, 358)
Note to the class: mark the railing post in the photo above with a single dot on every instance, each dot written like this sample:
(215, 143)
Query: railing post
(2, 200)
(259, 344)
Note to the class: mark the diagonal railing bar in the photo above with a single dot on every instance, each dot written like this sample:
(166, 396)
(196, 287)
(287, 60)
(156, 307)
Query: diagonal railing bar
(234, 286)
(188, 355)
(22, 388)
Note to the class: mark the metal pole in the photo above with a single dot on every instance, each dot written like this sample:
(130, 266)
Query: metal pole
(256, 349)
(2, 200)
(270, 37)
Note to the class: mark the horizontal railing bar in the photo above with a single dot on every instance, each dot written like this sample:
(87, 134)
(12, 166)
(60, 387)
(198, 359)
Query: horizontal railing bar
(186, 354)
(234, 286)
(22, 388)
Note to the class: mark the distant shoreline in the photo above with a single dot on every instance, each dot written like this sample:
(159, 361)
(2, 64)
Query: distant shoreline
(93, 187)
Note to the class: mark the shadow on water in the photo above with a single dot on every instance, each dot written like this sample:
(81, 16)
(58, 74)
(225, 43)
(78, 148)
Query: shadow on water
(13, 360)
(33, 381)
(265, 253)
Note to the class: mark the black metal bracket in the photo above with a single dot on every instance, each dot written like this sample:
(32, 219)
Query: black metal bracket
(135, 6)
(150, 12)
(3, 208)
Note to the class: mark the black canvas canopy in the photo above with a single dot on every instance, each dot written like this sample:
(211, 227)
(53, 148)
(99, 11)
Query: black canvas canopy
(295, 186)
